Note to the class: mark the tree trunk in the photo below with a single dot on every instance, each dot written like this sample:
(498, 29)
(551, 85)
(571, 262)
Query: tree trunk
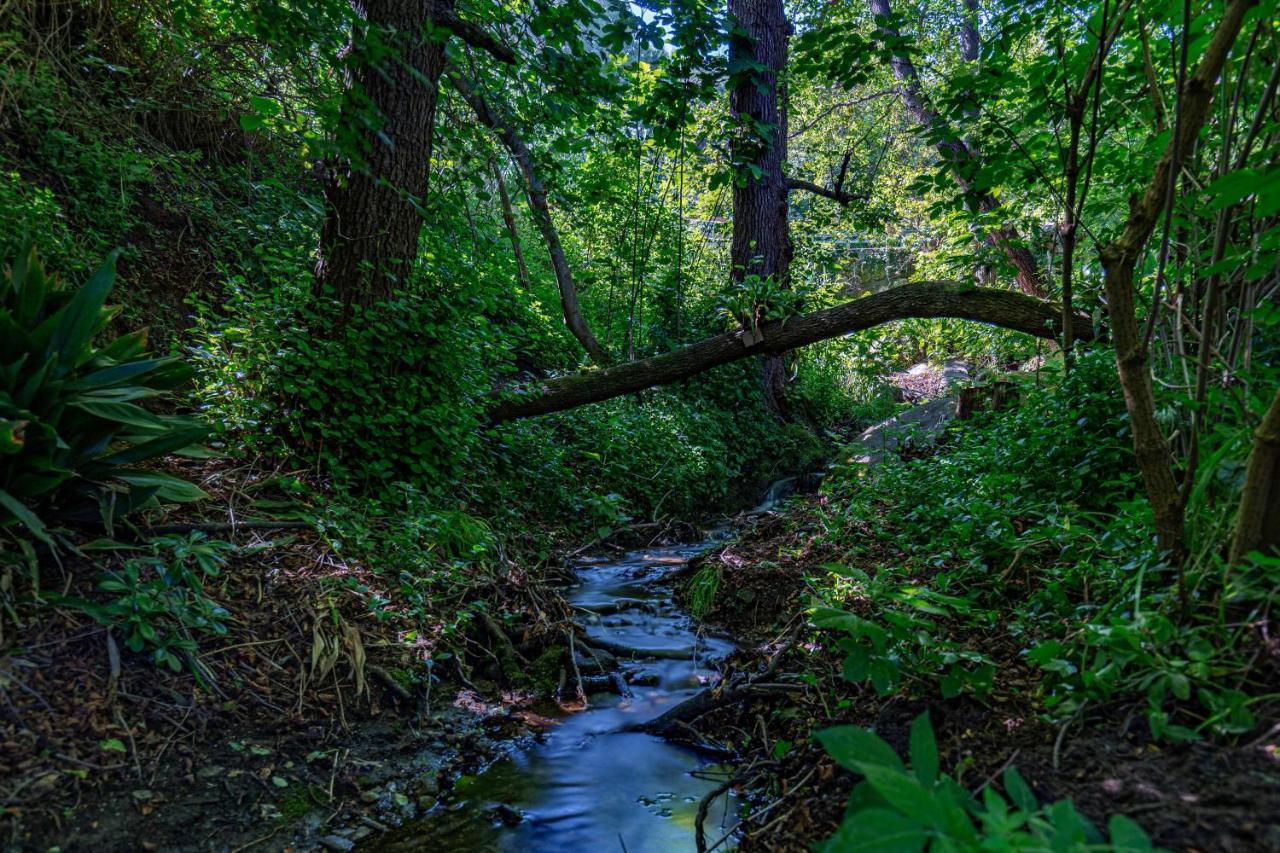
(541, 211)
(955, 152)
(1119, 260)
(373, 196)
(513, 233)
(1258, 522)
(924, 299)
(761, 235)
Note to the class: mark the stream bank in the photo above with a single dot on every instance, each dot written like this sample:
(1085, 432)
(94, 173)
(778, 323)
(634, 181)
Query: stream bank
(594, 780)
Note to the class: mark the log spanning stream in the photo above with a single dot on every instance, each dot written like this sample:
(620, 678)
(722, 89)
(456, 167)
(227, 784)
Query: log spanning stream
(592, 782)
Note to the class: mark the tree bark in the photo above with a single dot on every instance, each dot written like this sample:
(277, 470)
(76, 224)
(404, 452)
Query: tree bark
(373, 195)
(541, 211)
(955, 152)
(1119, 260)
(761, 233)
(925, 299)
(513, 233)
(1258, 522)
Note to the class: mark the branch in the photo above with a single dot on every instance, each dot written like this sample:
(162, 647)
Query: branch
(925, 299)
(836, 195)
(474, 36)
(540, 209)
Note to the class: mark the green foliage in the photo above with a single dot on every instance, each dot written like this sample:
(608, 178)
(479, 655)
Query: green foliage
(159, 602)
(1026, 525)
(71, 429)
(678, 453)
(702, 590)
(755, 300)
(898, 809)
(907, 636)
(329, 389)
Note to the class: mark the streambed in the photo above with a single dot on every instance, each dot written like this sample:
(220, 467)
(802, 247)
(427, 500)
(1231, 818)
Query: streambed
(591, 783)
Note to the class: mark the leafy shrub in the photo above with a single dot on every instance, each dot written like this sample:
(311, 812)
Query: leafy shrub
(907, 636)
(70, 426)
(388, 393)
(158, 599)
(1025, 525)
(903, 810)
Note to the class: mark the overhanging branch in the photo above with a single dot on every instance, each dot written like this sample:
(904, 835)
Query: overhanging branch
(925, 299)
(474, 36)
(836, 195)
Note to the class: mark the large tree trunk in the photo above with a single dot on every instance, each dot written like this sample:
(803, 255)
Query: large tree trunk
(1258, 522)
(373, 196)
(761, 235)
(924, 299)
(541, 210)
(1119, 260)
(955, 152)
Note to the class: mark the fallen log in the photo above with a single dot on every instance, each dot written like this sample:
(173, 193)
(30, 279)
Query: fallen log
(924, 300)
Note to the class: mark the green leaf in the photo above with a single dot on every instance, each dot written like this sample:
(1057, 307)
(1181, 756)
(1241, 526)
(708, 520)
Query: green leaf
(924, 750)
(168, 488)
(123, 413)
(884, 675)
(906, 794)
(853, 747)
(11, 437)
(830, 617)
(1126, 834)
(28, 518)
(79, 318)
(879, 830)
(1019, 791)
(161, 445)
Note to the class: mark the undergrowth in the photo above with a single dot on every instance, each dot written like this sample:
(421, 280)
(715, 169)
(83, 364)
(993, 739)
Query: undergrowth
(1022, 535)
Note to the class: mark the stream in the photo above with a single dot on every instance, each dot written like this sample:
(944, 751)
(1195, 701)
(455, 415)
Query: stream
(589, 783)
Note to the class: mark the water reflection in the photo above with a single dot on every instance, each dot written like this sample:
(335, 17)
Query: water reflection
(588, 785)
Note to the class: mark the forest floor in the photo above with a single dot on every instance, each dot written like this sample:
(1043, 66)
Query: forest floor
(306, 730)
(311, 723)
(1198, 796)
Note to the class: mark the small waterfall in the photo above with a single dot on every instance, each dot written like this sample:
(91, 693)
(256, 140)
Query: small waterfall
(779, 491)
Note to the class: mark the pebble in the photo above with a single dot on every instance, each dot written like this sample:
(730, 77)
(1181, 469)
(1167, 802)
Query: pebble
(337, 843)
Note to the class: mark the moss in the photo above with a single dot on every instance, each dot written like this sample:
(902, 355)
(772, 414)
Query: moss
(545, 670)
(297, 801)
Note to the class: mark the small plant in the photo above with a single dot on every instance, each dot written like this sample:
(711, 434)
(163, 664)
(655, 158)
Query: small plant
(905, 638)
(703, 587)
(71, 429)
(903, 810)
(160, 604)
(756, 300)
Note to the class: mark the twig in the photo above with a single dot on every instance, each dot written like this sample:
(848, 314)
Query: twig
(995, 775)
(224, 526)
(699, 836)
(1062, 732)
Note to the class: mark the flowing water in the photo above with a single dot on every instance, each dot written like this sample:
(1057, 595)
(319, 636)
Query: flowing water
(590, 784)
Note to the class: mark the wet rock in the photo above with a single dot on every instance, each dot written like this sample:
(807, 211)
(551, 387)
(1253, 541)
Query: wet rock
(507, 815)
(337, 843)
(592, 661)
